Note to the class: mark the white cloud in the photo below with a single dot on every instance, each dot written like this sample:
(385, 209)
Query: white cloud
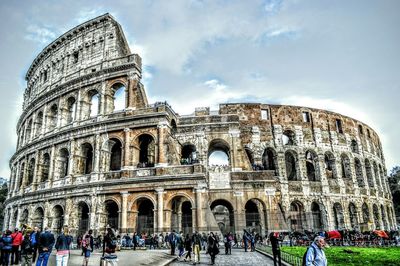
(40, 34)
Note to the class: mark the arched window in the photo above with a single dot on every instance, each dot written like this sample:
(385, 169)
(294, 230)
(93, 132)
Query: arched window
(21, 175)
(189, 155)
(317, 217)
(112, 213)
(359, 173)
(71, 110)
(376, 216)
(31, 171)
(28, 131)
(365, 213)
(218, 153)
(52, 116)
(119, 97)
(63, 162)
(269, 159)
(116, 155)
(45, 167)
(87, 157)
(94, 103)
(297, 216)
(291, 167)
(312, 166)
(330, 165)
(354, 146)
(346, 169)
(38, 124)
(288, 137)
(146, 151)
(368, 170)
(353, 216)
(338, 216)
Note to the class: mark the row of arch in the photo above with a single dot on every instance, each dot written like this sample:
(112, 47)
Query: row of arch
(72, 108)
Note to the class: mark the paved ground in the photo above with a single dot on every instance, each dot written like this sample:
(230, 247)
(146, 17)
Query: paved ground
(125, 258)
(238, 257)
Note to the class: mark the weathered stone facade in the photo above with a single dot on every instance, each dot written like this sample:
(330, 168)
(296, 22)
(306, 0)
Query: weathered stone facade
(84, 161)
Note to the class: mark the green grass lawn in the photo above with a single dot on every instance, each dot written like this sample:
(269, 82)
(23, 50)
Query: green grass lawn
(366, 256)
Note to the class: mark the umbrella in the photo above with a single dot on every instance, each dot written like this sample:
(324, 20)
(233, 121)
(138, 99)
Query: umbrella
(334, 235)
(381, 233)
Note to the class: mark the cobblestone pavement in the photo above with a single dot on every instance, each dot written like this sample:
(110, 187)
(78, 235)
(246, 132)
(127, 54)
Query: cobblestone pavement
(238, 257)
(125, 258)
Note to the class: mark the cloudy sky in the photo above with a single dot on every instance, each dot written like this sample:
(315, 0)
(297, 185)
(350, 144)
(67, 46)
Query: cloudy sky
(338, 55)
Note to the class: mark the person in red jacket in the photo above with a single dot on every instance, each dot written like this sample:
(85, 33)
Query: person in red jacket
(16, 243)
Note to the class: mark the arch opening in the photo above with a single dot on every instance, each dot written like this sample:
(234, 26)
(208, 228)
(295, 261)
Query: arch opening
(224, 215)
(145, 217)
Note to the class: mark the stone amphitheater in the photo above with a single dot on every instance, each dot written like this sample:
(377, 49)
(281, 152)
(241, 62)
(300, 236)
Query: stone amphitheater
(93, 152)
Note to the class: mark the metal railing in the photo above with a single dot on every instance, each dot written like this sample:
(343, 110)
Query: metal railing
(286, 257)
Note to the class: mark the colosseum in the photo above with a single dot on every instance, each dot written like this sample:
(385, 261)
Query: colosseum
(93, 152)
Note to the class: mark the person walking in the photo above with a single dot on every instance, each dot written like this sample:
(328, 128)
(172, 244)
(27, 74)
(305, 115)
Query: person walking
(87, 247)
(315, 255)
(172, 242)
(180, 244)
(196, 239)
(16, 244)
(46, 243)
(245, 240)
(188, 247)
(276, 250)
(109, 246)
(62, 246)
(27, 249)
(6, 249)
(213, 247)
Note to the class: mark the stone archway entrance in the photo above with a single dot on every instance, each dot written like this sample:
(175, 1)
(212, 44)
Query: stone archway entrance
(112, 213)
(256, 216)
(181, 215)
(37, 219)
(224, 216)
(145, 216)
(83, 218)
(57, 221)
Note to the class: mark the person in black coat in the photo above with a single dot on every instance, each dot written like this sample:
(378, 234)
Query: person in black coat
(213, 247)
(276, 250)
(188, 247)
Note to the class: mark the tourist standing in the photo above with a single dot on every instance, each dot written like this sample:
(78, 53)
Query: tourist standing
(213, 247)
(196, 239)
(16, 243)
(35, 242)
(63, 245)
(87, 247)
(227, 243)
(180, 244)
(135, 240)
(27, 249)
(46, 243)
(188, 247)
(276, 250)
(245, 240)
(7, 246)
(315, 255)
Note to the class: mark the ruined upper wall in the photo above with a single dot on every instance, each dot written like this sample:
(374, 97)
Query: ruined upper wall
(86, 45)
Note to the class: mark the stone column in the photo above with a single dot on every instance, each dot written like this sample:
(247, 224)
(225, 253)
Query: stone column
(71, 157)
(97, 151)
(162, 159)
(102, 99)
(67, 212)
(23, 183)
(235, 160)
(51, 166)
(36, 171)
(44, 121)
(78, 107)
(160, 209)
(59, 114)
(124, 211)
(127, 141)
(200, 222)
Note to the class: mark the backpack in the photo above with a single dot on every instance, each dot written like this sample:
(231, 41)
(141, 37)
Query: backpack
(86, 241)
(27, 245)
(305, 254)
